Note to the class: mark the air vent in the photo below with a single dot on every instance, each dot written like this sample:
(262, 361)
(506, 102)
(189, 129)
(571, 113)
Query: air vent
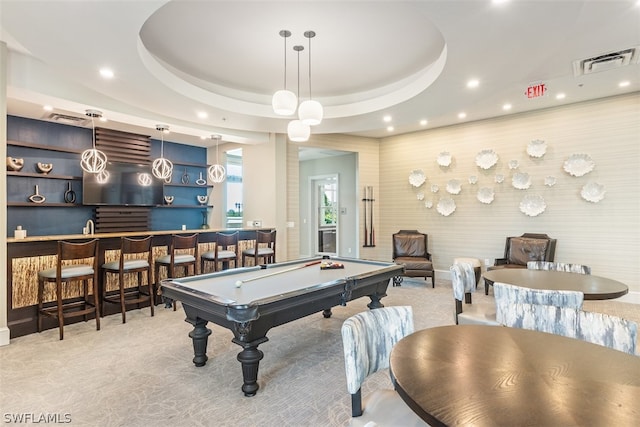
(607, 61)
(67, 120)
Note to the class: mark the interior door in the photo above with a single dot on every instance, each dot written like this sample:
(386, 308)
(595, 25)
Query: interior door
(326, 220)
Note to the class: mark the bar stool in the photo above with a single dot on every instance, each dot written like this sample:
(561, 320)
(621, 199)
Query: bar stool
(187, 256)
(222, 253)
(130, 262)
(265, 248)
(66, 272)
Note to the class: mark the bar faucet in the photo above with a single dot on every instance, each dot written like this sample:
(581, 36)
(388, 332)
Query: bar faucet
(89, 227)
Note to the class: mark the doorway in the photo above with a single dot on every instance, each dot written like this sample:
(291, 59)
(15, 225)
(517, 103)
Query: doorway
(326, 213)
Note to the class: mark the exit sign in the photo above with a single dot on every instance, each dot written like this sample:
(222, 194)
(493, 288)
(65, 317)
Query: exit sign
(535, 90)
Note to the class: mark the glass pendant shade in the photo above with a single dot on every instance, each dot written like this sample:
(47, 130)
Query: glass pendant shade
(284, 102)
(298, 131)
(310, 112)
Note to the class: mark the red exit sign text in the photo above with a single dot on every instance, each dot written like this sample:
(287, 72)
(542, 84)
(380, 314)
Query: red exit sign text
(535, 90)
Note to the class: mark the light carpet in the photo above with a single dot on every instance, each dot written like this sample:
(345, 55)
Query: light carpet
(140, 373)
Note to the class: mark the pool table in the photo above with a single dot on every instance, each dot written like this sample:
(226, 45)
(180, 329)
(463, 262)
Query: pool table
(271, 295)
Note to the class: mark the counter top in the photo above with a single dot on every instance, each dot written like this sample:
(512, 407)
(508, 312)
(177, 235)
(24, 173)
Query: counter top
(127, 234)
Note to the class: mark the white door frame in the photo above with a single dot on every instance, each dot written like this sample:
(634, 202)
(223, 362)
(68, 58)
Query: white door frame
(314, 182)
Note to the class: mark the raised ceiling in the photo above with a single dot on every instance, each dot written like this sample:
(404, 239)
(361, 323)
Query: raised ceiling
(406, 60)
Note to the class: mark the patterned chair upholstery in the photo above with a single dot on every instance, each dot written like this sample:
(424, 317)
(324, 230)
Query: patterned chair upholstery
(463, 282)
(506, 295)
(368, 338)
(597, 328)
(559, 266)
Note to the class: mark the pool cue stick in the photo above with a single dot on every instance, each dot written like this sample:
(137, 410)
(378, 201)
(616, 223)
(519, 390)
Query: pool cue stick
(372, 239)
(366, 232)
(298, 267)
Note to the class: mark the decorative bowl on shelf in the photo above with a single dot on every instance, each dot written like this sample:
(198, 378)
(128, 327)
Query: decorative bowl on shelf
(44, 168)
(14, 164)
(202, 199)
(168, 199)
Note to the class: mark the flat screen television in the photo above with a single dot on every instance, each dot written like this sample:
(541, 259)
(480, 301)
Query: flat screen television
(128, 184)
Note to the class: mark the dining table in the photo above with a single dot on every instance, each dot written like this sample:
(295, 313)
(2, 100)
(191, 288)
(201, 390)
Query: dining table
(593, 287)
(498, 376)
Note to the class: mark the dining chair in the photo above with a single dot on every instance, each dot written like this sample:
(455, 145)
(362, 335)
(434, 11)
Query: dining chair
(183, 253)
(368, 338)
(226, 250)
(559, 266)
(463, 282)
(597, 328)
(264, 247)
(135, 258)
(76, 262)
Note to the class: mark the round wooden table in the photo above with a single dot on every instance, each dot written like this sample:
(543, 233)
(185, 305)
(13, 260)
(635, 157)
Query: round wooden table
(497, 376)
(593, 287)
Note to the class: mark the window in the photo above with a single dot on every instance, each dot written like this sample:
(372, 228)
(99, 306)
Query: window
(234, 189)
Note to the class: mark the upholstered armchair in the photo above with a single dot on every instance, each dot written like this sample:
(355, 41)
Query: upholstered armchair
(519, 250)
(410, 251)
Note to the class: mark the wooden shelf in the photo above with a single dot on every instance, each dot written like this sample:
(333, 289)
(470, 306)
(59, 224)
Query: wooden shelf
(194, 165)
(43, 176)
(47, 205)
(189, 185)
(43, 147)
(185, 206)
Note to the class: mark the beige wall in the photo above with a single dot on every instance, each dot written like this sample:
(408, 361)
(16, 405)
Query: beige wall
(604, 235)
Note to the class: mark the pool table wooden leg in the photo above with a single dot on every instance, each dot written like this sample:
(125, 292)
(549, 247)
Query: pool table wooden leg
(200, 337)
(375, 300)
(250, 358)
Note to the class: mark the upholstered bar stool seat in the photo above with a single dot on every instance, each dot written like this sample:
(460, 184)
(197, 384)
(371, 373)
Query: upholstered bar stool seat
(62, 275)
(475, 263)
(128, 296)
(264, 248)
(188, 255)
(222, 253)
(178, 259)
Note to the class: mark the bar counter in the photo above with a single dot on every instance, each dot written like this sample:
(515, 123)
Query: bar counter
(25, 257)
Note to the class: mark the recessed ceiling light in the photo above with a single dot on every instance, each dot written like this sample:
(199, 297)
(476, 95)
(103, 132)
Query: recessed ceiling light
(390, 128)
(624, 83)
(202, 115)
(462, 115)
(47, 108)
(506, 107)
(106, 73)
(423, 122)
(560, 96)
(386, 119)
(473, 83)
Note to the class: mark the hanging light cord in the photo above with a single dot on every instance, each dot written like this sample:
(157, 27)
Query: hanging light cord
(284, 36)
(310, 67)
(161, 143)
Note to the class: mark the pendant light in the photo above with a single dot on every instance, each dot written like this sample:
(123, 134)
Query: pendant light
(93, 160)
(284, 102)
(310, 112)
(296, 130)
(216, 172)
(162, 168)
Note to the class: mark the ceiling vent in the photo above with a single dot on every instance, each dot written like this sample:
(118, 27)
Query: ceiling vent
(66, 119)
(607, 61)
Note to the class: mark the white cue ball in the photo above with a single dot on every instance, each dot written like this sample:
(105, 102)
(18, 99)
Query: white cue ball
(238, 283)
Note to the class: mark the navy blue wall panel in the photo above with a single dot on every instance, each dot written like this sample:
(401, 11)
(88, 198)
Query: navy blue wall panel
(43, 220)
